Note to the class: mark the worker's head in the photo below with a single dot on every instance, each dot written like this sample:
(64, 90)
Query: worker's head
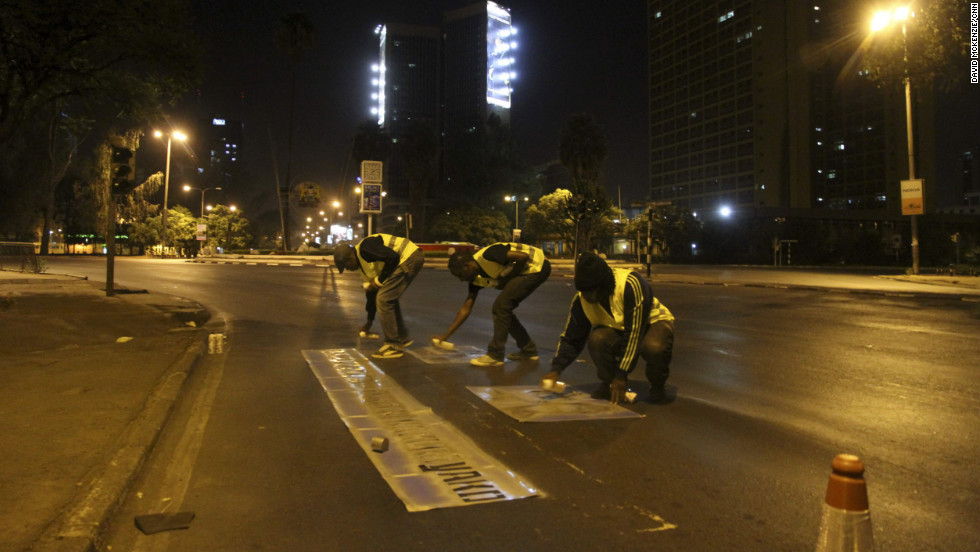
(344, 257)
(593, 277)
(463, 266)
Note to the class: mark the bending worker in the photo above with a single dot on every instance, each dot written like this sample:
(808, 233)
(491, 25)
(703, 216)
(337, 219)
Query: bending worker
(616, 314)
(388, 264)
(517, 270)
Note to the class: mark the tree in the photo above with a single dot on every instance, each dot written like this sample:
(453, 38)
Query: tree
(294, 36)
(582, 151)
(419, 151)
(549, 219)
(67, 74)
(483, 166)
(471, 224)
(673, 231)
(936, 39)
(227, 228)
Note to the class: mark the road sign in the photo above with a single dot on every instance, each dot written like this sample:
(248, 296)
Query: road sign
(370, 198)
(912, 202)
(370, 171)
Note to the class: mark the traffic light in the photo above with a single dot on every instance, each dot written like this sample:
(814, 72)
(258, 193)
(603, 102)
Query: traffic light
(123, 171)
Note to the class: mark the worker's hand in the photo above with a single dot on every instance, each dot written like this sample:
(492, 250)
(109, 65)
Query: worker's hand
(617, 390)
(552, 375)
(371, 286)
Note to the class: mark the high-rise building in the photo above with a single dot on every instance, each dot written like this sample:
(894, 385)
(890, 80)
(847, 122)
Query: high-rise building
(454, 77)
(406, 77)
(753, 104)
(221, 161)
(478, 52)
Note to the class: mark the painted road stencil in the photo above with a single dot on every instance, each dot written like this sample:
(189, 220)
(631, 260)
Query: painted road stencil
(527, 403)
(429, 463)
(434, 355)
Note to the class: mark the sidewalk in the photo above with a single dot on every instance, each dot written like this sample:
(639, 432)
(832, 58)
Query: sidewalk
(90, 380)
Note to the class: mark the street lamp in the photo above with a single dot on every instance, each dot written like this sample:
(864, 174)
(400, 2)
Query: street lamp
(514, 198)
(881, 20)
(166, 178)
(188, 188)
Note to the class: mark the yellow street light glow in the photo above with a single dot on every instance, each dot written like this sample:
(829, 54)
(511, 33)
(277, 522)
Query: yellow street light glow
(885, 18)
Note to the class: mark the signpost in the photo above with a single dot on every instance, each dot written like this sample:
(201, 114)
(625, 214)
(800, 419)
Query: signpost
(912, 202)
(371, 173)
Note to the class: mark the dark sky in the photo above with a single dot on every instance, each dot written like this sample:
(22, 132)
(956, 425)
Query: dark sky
(592, 60)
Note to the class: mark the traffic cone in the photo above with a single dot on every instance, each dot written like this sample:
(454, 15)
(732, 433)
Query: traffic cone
(846, 522)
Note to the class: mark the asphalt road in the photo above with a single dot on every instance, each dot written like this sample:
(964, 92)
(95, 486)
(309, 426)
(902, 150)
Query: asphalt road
(770, 384)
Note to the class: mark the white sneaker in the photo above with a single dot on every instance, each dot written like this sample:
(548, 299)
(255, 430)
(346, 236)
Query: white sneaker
(388, 351)
(486, 360)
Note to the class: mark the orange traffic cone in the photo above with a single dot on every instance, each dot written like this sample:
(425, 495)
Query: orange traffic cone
(846, 522)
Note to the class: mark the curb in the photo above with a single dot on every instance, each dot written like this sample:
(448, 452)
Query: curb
(81, 525)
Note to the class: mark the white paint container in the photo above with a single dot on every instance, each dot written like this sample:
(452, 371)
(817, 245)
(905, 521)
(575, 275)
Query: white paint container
(379, 444)
(443, 344)
(555, 386)
(216, 344)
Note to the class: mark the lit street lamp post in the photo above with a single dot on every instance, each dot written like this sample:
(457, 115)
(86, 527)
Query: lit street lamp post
(517, 226)
(188, 188)
(881, 20)
(166, 178)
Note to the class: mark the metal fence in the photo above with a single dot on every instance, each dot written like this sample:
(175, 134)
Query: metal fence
(19, 256)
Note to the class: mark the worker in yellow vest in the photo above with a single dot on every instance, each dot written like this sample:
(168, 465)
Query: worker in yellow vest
(387, 264)
(617, 316)
(516, 270)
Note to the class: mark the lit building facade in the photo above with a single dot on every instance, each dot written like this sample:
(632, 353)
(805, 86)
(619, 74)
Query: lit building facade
(478, 48)
(454, 77)
(222, 162)
(406, 89)
(752, 104)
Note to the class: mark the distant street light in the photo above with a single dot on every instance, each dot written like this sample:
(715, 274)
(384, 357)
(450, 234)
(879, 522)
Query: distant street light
(515, 199)
(881, 20)
(166, 178)
(188, 188)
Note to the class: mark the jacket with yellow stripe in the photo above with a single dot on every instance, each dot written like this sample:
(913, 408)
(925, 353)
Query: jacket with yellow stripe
(630, 309)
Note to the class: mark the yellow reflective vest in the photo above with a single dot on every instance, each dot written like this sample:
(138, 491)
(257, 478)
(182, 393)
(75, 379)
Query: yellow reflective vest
(493, 269)
(598, 316)
(404, 247)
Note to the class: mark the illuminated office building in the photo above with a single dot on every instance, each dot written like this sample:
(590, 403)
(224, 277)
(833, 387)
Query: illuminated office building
(454, 77)
(753, 105)
(222, 145)
(478, 51)
(405, 89)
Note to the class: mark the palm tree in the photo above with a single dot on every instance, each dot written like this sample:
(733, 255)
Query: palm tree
(294, 37)
(582, 151)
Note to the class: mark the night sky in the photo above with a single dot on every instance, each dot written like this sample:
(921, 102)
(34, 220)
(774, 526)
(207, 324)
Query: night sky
(592, 61)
